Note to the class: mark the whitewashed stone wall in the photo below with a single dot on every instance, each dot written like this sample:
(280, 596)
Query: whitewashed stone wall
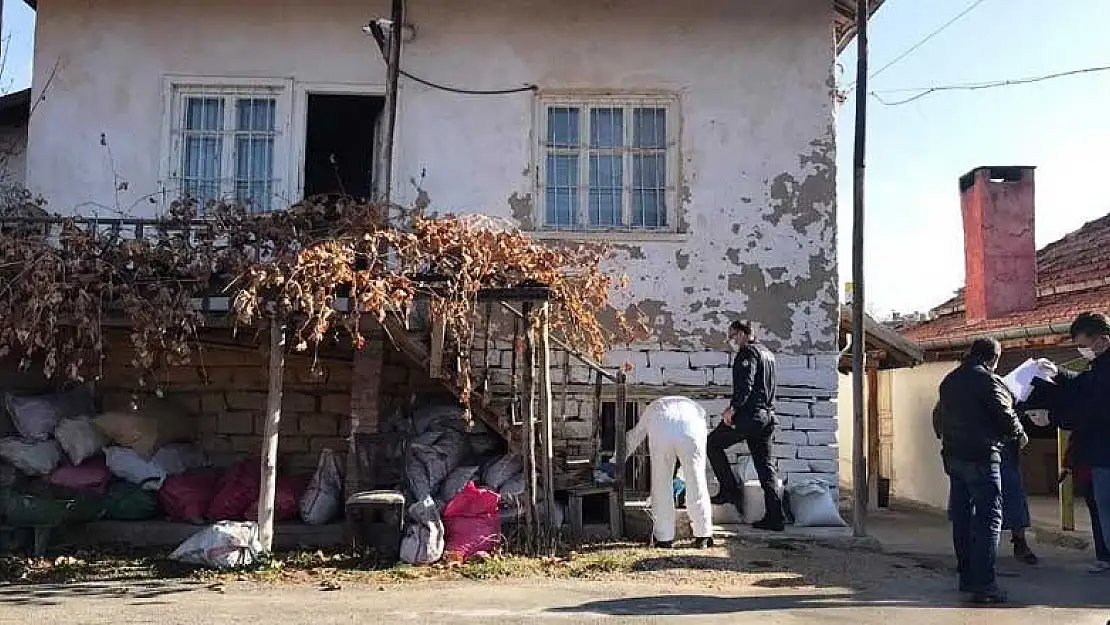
(805, 443)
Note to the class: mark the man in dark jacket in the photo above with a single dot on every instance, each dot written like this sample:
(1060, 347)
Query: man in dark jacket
(1080, 402)
(750, 417)
(975, 417)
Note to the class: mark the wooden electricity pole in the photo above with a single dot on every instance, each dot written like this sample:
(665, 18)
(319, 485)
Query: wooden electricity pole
(859, 349)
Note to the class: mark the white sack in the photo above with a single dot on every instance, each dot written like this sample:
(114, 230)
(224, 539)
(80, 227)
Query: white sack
(424, 539)
(36, 417)
(323, 499)
(812, 505)
(178, 458)
(225, 545)
(128, 465)
(32, 458)
(79, 439)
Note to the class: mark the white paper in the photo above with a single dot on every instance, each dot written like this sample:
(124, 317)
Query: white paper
(1020, 380)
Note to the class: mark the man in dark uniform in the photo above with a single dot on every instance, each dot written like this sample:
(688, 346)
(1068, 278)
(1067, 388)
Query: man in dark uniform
(750, 417)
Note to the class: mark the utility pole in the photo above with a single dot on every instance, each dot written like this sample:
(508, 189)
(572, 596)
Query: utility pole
(859, 349)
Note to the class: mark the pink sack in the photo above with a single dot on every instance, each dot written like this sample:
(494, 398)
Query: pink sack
(237, 491)
(287, 498)
(186, 497)
(91, 475)
(473, 523)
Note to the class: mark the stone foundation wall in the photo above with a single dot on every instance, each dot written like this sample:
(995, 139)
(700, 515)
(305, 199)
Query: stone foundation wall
(805, 444)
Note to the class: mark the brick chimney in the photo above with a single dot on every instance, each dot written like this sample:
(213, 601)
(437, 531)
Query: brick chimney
(999, 248)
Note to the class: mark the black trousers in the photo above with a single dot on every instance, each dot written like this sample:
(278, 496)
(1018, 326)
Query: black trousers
(757, 432)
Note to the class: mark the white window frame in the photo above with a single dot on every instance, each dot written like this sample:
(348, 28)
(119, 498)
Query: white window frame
(177, 88)
(628, 101)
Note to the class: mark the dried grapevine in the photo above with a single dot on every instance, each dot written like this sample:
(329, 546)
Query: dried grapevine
(59, 284)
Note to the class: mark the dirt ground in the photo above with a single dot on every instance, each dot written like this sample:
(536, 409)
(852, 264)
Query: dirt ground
(768, 581)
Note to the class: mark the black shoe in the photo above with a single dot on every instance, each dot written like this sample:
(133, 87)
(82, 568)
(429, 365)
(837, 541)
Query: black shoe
(721, 499)
(703, 543)
(664, 544)
(769, 525)
(991, 597)
(1024, 554)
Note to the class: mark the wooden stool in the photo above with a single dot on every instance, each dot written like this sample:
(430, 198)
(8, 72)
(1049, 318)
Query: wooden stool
(376, 521)
(577, 497)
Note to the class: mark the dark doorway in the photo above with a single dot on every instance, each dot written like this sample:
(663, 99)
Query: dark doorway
(339, 144)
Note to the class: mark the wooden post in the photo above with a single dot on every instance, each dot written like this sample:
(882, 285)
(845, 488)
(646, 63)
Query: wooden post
(435, 356)
(620, 452)
(874, 444)
(547, 436)
(859, 349)
(1066, 487)
(528, 408)
(270, 437)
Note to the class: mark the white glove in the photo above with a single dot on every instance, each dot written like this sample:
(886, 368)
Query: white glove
(1038, 417)
(1048, 368)
(1023, 441)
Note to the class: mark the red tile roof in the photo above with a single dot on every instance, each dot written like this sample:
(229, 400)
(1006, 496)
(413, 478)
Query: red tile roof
(1073, 276)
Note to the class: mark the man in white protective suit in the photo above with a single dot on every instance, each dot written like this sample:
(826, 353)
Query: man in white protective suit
(676, 429)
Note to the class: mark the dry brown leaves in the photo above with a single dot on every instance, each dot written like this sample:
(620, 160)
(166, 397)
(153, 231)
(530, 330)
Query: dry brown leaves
(60, 284)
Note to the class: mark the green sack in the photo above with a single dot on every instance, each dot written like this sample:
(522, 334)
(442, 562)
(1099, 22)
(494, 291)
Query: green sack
(25, 510)
(129, 502)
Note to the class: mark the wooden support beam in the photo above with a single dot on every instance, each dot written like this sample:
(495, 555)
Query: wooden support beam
(620, 422)
(547, 436)
(268, 485)
(528, 408)
(874, 441)
(435, 357)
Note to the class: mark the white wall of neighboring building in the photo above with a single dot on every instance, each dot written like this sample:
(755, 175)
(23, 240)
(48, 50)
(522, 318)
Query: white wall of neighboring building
(917, 473)
(754, 186)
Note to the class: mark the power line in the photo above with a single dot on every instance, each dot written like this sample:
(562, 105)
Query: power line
(976, 86)
(917, 45)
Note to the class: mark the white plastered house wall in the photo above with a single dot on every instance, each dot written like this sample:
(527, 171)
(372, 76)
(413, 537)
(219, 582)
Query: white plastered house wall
(749, 226)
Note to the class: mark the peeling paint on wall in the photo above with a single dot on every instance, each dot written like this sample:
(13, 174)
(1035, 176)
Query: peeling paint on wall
(521, 207)
(682, 259)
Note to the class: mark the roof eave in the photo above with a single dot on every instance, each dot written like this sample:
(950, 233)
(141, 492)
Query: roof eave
(846, 20)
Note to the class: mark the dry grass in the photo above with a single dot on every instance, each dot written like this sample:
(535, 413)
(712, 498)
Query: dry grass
(774, 564)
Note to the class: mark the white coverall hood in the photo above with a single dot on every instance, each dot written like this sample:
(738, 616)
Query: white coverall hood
(676, 429)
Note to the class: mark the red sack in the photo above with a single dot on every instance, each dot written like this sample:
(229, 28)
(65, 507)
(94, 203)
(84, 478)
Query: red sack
(91, 475)
(287, 498)
(236, 492)
(186, 497)
(472, 522)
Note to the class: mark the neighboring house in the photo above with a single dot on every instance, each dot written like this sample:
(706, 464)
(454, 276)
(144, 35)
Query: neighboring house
(14, 110)
(696, 138)
(1024, 297)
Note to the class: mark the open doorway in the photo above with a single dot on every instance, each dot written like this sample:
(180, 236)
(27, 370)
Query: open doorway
(339, 144)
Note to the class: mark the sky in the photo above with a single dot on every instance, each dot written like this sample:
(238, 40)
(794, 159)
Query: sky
(916, 152)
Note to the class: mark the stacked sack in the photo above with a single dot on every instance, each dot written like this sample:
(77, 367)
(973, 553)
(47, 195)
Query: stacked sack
(458, 475)
(69, 470)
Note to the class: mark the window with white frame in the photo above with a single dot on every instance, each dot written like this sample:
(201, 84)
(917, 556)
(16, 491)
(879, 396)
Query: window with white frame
(227, 143)
(608, 163)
